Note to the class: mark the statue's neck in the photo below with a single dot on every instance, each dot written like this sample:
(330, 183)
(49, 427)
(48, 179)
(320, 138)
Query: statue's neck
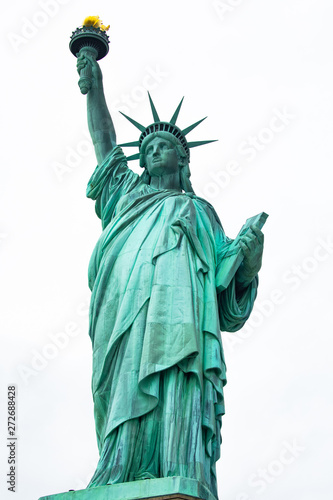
(167, 181)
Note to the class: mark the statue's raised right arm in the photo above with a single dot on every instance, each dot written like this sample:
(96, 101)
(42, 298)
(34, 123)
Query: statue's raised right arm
(100, 123)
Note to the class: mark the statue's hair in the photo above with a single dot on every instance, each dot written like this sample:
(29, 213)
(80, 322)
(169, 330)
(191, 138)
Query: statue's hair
(184, 169)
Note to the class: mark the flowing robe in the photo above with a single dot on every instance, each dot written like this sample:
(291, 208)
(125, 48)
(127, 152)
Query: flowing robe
(155, 321)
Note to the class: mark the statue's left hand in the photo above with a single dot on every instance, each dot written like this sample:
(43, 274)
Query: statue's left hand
(252, 245)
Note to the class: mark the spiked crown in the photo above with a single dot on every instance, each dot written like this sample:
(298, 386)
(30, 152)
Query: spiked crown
(162, 126)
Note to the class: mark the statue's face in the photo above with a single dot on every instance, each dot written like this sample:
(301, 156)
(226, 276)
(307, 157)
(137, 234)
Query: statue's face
(161, 157)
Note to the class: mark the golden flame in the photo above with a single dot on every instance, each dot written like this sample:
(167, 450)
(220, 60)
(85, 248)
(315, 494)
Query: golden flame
(96, 22)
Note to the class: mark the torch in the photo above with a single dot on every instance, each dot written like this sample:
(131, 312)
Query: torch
(89, 39)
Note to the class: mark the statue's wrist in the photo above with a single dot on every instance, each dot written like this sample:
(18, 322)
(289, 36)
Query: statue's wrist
(98, 83)
(96, 91)
(244, 276)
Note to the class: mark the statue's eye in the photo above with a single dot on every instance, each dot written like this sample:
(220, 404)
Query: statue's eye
(149, 150)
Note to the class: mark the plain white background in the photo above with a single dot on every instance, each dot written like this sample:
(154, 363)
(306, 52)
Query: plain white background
(262, 72)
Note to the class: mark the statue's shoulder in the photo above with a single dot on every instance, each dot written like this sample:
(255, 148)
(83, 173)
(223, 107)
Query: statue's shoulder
(209, 209)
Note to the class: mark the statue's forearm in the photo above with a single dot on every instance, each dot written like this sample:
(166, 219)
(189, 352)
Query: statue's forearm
(100, 123)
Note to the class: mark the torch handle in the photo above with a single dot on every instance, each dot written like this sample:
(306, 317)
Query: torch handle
(85, 81)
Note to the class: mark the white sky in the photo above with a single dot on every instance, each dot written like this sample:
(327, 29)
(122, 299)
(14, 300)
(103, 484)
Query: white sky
(244, 64)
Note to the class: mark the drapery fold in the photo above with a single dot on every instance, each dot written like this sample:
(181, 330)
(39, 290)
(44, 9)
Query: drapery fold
(155, 321)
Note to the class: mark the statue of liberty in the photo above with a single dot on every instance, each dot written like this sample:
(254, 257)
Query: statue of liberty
(163, 287)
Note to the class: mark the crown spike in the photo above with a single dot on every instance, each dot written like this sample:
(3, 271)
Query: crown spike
(199, 143)
(170, 127)
(130, 144)
(153, 109)
(176, 113)
(133, 157)
(191, 127)
(136, 124)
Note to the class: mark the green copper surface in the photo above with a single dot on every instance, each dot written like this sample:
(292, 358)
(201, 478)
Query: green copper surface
(135, 123)
(153, 109)
(169, 488)
(165, 280)
(176, 113)
(162, 126)
(191, 127)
